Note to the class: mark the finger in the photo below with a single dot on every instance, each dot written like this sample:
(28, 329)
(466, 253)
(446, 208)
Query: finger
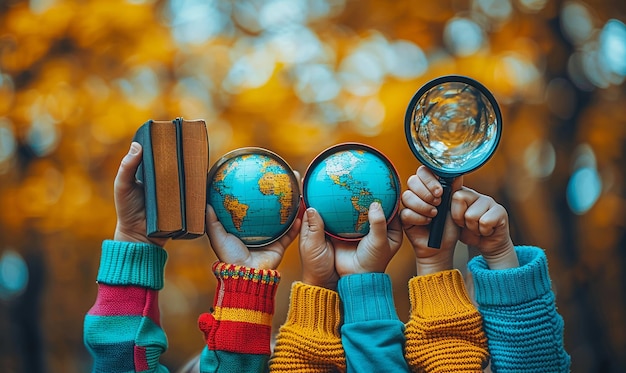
(420, 191)
(474, 213)
(409, 217)
(313, 222)
(418, 205)
(227, 247)
(125, 178)
(378, 222)
(429, 180)
(215, 229)
(312, 233)
(469, 207)
(461, 200)
(494, 218)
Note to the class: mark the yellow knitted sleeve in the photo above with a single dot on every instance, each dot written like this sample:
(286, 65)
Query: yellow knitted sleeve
(309, 340)
(444, 332)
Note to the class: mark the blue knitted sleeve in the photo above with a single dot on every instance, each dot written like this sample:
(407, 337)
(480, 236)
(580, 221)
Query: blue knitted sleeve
(372, 334)
(524, 329)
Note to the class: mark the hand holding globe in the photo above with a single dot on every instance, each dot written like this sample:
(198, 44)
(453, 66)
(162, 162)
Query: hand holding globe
(254, 194)
(342, 182)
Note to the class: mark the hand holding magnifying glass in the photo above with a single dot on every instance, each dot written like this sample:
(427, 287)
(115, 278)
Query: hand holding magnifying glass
(453, 126)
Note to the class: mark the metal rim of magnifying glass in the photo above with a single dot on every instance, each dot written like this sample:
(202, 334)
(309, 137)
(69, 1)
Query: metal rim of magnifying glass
(451, 79)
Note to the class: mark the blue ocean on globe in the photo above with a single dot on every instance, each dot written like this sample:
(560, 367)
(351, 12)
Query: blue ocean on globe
(255, 196)
(342, 183)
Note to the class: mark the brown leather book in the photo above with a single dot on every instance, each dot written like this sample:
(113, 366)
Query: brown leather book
(174, 174)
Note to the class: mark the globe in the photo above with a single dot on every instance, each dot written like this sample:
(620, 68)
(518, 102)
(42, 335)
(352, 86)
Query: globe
(342, 182)
(255, 195)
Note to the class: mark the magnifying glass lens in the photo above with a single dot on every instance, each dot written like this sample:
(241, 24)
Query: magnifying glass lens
(454, 127)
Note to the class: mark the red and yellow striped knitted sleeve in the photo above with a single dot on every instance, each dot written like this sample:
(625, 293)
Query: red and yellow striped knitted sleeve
(309, 340)
(243, 307)
(444, 333)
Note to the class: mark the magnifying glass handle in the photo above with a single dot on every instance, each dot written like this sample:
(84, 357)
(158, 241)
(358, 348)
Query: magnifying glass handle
(439, 221)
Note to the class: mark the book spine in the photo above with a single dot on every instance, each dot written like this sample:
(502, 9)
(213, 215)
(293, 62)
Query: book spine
(147, 177)
(178, 122)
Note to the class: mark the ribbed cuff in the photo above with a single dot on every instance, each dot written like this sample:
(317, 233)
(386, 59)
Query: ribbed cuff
(314, 308)
(366, 297)
(439, 294)
(243, 306)
(246, 288)
(512, 286)
(131, 263)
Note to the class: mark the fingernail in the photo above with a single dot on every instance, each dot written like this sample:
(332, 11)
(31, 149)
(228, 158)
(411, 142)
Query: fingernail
(375, 206)
(134, 148)
(310, 212)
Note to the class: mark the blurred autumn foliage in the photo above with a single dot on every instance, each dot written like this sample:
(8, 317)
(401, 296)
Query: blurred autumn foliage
(77, 78)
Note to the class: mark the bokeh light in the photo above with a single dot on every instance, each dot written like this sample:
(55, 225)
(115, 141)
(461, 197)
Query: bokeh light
(13, 274)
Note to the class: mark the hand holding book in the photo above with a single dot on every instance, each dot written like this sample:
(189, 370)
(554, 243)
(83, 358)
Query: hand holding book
(174, 175)
(129, 201)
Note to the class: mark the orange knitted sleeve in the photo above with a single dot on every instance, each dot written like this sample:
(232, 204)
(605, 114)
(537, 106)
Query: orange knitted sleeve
(444, 332)
(309, 340)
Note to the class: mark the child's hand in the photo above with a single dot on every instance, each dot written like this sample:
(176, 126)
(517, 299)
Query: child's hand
(421, 200)
(484, 224)
(317, 254)
(129, 201)
(374, 251)
(230, 249)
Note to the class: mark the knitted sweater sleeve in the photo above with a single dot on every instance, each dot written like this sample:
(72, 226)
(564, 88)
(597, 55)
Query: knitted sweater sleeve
(372, 334)
(122, 330)
(524, 329)
(238, 330)
(309, 341)
(444, 332)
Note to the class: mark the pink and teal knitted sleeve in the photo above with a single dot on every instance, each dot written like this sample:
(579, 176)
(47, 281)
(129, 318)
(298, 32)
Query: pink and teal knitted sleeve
(122, 329)
(524, 329)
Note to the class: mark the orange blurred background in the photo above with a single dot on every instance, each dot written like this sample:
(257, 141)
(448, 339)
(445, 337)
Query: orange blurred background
(77, 78)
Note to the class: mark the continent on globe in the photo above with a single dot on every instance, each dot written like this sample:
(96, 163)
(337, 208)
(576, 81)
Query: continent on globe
(255, 195)
(237, 210)
(279, 184)
(343, 181)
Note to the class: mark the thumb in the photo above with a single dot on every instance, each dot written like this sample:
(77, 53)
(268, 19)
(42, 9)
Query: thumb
(312, 235)
(125, 178)
(214, 228)
(378, 222)
(312, 223)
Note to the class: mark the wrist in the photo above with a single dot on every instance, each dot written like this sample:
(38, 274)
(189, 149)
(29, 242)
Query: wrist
(312, 281)
(502, 259)
(428, 266)
(125, 235)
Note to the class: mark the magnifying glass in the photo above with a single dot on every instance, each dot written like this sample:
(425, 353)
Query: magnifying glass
(453, 126)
